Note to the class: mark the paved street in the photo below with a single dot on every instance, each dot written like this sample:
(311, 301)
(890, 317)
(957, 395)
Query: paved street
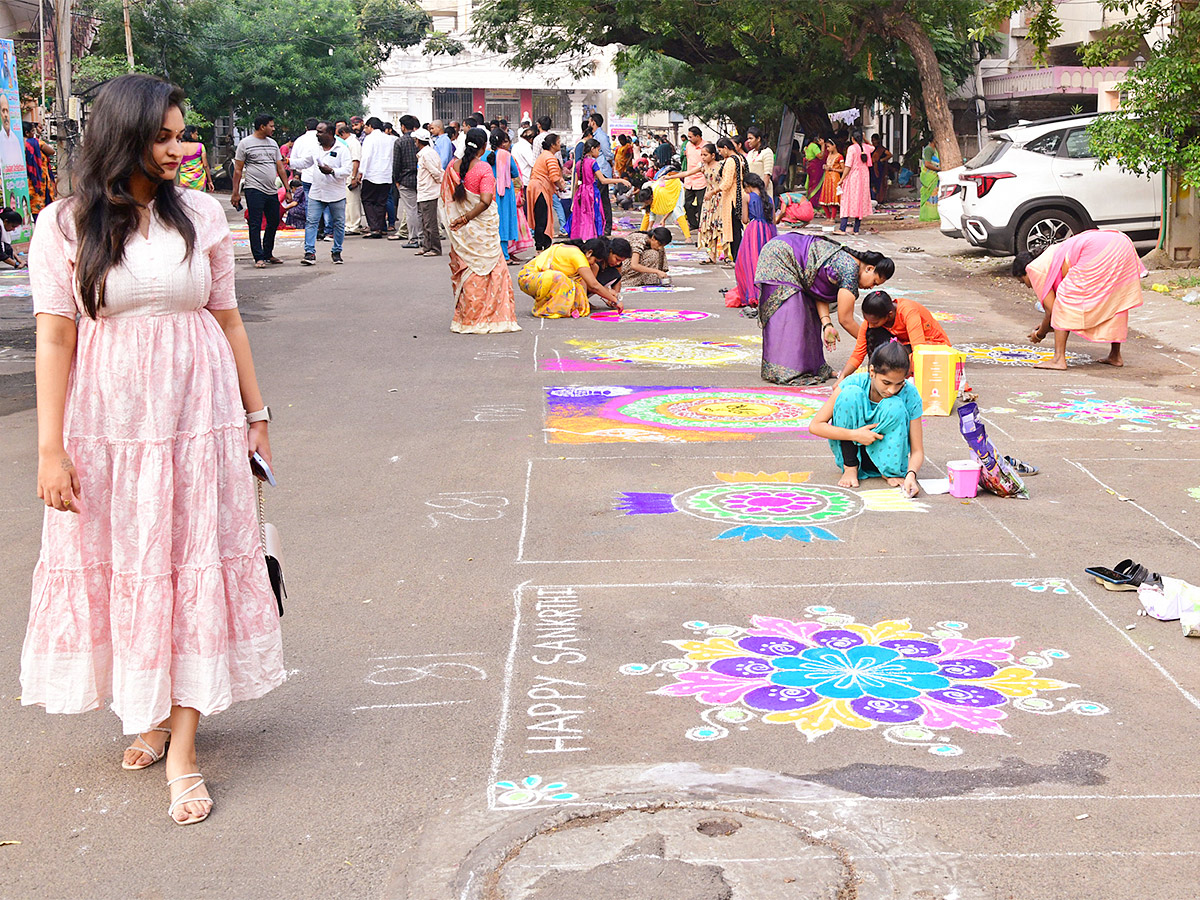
(527, 592)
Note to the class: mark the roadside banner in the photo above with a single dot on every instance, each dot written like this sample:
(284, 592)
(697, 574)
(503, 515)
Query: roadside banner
(15, 182)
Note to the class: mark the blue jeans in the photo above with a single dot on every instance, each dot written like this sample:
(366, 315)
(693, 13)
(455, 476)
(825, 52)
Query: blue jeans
(560, 213)
(317, 209)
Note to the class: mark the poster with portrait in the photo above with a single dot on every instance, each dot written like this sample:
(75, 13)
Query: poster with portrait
(15, 182)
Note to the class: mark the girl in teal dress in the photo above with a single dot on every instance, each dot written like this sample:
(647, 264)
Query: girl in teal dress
(873, 423)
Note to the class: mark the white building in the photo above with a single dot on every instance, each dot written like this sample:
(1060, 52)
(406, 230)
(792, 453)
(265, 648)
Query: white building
(452, 87)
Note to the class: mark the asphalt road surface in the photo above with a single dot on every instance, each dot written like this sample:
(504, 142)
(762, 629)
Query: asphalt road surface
(539, 584)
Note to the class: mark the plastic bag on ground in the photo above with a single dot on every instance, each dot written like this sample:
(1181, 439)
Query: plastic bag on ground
(997, 476)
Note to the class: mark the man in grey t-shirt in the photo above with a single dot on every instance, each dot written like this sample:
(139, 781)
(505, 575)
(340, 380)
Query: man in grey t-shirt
(258, 161)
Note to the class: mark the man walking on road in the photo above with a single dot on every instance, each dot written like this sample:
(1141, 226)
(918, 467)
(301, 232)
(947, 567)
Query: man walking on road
(330, 165)
(404, 173)
(258, 158)
(376, 170)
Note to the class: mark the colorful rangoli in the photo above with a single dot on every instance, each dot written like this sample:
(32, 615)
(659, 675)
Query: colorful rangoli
(651, 315)
(828, 672)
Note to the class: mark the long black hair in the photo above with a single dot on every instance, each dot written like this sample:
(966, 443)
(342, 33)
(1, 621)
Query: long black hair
(1022, 260)
(755, 181)
(477, 140)
(596, 248)
(891, 356)
(660, 234)
(125, 121)
(883, 264)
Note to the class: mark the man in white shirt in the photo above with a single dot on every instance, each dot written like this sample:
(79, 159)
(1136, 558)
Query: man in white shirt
(429, 179)
(330, 165)
(375, 167)
(356, 222)
(460, 138)
(524, 153)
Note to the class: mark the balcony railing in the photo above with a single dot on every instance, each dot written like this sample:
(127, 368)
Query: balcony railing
(1050, 81)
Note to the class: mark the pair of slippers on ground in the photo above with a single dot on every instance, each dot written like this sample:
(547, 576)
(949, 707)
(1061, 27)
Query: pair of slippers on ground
(1126, 575)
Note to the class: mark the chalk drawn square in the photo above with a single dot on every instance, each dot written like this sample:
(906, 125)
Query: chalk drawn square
(731, 510)
(616, 354)
(663, 414)
(824, 676)
(1156, 527)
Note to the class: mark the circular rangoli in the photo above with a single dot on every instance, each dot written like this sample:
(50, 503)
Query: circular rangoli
(770, 504)
(1016, 354)
(715, 409)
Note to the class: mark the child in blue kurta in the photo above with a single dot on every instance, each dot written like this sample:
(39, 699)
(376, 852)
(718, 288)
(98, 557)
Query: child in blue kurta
(873, 423)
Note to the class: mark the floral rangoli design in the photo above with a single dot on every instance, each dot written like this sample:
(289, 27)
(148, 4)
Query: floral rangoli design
(779, 505)
(1017, 354)
(829, 671)
(1080, 408)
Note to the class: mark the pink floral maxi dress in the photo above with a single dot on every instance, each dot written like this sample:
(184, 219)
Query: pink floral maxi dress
(156, 592)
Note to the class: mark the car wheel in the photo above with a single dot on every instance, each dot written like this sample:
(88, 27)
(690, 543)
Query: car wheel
(1046, 227)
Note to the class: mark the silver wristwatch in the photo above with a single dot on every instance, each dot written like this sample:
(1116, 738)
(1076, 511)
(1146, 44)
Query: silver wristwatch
(263, 415)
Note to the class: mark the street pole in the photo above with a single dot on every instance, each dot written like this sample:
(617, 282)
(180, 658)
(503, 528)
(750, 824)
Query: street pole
(128, 34)
(62, 88)
(42, 50)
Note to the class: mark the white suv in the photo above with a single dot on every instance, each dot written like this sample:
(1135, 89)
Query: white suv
(1036, 184)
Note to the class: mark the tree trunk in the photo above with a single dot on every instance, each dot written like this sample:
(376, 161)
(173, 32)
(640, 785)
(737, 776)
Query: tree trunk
(812, 117)
(933, 86)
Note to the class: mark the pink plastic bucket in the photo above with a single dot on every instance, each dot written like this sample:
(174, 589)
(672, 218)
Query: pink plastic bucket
(964, 477)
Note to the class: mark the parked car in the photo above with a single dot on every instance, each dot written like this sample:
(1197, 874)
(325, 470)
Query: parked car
(949, 201)
(1037, 183)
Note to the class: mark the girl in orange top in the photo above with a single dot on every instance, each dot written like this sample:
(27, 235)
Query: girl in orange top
(906, 320)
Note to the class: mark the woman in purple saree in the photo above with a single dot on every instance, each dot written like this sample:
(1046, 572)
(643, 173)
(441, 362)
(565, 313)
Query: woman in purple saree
(587, 209)
(803, 279)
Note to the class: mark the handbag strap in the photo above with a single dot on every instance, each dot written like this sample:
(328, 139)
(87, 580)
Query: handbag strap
(262, 519)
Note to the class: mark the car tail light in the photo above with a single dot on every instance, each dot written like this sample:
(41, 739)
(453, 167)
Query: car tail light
(983, 183)
(949, 191)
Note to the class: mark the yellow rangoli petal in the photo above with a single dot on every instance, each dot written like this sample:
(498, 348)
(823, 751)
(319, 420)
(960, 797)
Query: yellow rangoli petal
(761, 477)
(824, 717)
(713, 648)
(1017, 681)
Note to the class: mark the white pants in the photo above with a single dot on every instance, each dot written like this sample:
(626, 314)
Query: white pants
(356, 219)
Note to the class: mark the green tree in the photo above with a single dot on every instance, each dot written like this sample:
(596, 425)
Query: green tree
(653, 81)
(292, 58)
(805, 53)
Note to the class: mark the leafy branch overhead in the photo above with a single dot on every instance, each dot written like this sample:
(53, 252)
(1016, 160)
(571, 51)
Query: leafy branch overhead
(810, 55)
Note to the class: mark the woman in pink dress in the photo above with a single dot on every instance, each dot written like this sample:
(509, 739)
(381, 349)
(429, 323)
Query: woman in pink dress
(1087, 284)
(151, 587)
(856, 184)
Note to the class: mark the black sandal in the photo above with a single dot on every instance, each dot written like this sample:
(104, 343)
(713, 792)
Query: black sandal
(1025, 469)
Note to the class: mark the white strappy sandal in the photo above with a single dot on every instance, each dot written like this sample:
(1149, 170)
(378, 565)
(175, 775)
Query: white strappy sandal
(142, 747)
(184, 798)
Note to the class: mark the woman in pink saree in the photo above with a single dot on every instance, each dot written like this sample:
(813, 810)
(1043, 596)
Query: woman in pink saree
(1086, 284)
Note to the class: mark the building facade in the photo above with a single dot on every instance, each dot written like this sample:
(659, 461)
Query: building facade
(452, 87)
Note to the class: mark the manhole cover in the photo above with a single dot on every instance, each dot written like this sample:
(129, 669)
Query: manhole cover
(673, 853)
